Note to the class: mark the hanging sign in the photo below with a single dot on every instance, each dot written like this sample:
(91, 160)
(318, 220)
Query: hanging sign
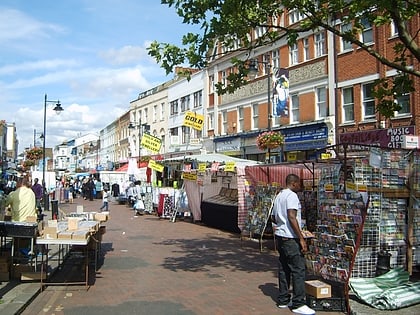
(155, 166)
(202, 167)
(193, 120)
(189, 176)
(151, 143)
(230, 167)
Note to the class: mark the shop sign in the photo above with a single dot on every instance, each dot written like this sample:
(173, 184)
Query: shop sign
(291, 156)
(410, 142)
(391, 138)
(303, 138)
(232, 144)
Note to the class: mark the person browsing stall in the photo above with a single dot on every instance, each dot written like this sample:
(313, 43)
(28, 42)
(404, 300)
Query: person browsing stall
(22, 201)
(291, 245)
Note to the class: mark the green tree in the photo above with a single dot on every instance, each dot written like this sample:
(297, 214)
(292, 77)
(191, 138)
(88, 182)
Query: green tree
(227, 22)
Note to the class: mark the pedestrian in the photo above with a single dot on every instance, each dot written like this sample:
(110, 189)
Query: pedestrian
(22, 201)
(105, 197)
(39, 193)
(291, 245)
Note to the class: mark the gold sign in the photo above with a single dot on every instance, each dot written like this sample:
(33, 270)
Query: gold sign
(230, 167)
(202, 167)
(151, 143)
(155, 166)
(189, 176)
(194, 120)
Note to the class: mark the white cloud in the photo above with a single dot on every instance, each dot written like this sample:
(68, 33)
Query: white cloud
(124, 55)
(17, 25)
(37, 65)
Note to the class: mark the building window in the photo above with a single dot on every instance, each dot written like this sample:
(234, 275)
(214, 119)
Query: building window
(210, 120)
(174, 107)
(394, 29)
(241, 119)
(211, 84)
(294, 108)
(294, 54)
(260, 31)
(404, 102)
(275, 58)
(224, 122)
(224, 78)
(346, 45)
(320, 44)
(321, 102)
(367, 32)
(162, 111)
(146, 115)
(368, 101)
(198, 99)
(306, 56)
(348, 104)
(155, 113)
(255, 116)
(185, 134)
(295, 16)
(185, 103)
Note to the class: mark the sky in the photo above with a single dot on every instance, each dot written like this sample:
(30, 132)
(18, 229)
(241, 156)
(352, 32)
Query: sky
(88, 54)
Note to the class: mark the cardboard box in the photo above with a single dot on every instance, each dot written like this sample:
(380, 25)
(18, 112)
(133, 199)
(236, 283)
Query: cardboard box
(102, 217)
(4, 266)
(318, 289)
(80, 235)
(4, 276)
(31, 276)
(73, 223)
(65, 235)
(18, 269)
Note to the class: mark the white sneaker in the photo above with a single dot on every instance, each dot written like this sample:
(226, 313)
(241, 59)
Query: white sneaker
(285, 305)
(305, 310)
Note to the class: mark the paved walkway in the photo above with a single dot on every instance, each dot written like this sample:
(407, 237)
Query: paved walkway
(153, 266)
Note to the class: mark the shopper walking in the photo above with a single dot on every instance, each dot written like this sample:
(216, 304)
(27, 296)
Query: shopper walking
(39, 193)
(105, 201)
(291, 246)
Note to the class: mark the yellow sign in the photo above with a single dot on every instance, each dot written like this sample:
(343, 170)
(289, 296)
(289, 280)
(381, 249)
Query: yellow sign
(194, 120)
(325, 156)
(155, 166)
(189, 176)
(230, 167)
(329, 187)
(202, 167)
(151, 143)
(291, 156)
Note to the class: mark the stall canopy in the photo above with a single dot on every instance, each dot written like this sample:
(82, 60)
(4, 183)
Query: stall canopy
(213, 157)
(196, 193)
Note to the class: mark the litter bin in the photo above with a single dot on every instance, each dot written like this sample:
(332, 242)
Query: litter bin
(54, 209)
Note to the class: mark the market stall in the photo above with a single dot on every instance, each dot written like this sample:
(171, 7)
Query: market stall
(213, 191)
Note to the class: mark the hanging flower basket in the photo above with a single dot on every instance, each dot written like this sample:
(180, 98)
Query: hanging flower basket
(270, 140)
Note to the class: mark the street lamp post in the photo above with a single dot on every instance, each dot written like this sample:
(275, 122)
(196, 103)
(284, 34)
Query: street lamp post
(58, 109)
(253, 71)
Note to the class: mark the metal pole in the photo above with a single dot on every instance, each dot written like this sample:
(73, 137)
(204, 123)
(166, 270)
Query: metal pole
(44, 195)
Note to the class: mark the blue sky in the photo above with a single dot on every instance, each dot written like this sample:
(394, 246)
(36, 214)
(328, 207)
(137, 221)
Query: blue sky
(89, 54)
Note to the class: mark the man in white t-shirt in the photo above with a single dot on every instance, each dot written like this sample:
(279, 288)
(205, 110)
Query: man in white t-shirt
(291, 245)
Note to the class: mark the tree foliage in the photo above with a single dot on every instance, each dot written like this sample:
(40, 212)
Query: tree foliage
(227, 22)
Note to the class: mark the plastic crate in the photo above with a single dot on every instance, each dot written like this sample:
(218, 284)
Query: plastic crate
(326, 304)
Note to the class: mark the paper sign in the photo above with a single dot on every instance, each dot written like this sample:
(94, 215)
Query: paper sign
(189, 176)
(230, 167)
(155, 166)
(151, 143)
(194, 120)
(202, 167)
